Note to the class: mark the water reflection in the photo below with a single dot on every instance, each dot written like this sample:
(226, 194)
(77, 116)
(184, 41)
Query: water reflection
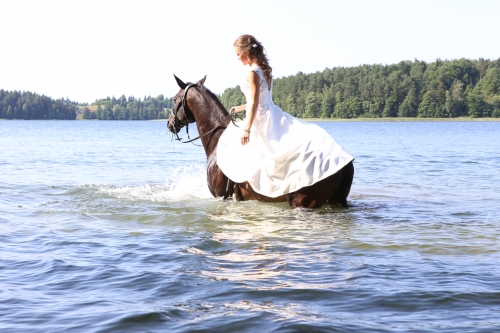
(258, 242)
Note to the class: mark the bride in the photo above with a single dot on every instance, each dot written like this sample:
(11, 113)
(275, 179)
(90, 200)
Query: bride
(271, 151)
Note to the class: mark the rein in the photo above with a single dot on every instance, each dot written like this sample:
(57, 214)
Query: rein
(181, 124)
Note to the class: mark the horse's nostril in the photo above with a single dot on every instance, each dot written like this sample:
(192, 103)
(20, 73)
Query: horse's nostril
(173, 128)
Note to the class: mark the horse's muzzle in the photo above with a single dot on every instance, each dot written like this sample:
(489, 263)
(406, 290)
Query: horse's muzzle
(172, 125)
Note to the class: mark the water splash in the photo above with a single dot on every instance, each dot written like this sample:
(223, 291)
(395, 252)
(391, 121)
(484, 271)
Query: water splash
(185, 183)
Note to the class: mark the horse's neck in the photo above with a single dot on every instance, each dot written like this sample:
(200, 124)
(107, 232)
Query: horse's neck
(210, 116)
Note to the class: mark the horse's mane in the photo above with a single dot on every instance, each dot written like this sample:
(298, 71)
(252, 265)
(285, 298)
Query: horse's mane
(213, 98)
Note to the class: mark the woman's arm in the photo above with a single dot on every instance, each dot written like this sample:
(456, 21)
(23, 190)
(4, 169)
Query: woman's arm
(239, 108)
(251, 105)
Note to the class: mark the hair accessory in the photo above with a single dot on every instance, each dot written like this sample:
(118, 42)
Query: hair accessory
(254, 46)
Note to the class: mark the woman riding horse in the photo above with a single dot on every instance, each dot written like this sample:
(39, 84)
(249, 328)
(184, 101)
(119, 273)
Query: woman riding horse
(270, 156)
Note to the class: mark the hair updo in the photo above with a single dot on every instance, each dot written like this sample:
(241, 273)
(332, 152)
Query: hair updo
(248, 44)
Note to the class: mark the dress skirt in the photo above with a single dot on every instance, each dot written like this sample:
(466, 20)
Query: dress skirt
(283, 155)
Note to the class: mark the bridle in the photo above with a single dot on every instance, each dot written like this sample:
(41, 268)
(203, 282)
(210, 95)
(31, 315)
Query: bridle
(187, 120)
(175, 110)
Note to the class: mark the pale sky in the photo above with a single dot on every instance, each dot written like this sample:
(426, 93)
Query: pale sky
(87, 50)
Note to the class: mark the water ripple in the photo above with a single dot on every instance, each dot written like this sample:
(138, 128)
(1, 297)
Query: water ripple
(123, 237)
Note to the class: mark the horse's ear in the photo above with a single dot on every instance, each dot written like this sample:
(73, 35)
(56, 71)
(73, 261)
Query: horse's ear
(202, 80)
(181, 84)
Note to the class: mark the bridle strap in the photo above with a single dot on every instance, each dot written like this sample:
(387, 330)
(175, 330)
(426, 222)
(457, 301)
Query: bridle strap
(213, 129)
(185, 94)
(183, 101)
(183, 104)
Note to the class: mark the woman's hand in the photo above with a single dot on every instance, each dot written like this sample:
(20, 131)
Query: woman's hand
(245, 137)
(233, 110)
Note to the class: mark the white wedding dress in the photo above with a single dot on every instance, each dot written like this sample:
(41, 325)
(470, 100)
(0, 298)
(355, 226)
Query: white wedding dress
(284, 153)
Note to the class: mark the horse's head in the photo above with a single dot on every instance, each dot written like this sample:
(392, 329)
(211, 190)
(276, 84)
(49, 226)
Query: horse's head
(181, 114)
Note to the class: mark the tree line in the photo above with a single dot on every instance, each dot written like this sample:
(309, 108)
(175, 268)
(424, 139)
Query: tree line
(129, 108)
(28, 105)
(440, 89)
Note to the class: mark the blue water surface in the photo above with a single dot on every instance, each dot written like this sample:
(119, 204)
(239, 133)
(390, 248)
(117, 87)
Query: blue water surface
(108, 226)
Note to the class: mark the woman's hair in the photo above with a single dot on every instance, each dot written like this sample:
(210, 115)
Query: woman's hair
(248, 44)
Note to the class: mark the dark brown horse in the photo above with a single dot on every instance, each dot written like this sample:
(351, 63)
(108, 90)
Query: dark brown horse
(195, 103)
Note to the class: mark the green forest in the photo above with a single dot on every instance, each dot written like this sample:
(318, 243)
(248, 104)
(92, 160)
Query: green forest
(440, 89)
(28, 105)
(129, 108)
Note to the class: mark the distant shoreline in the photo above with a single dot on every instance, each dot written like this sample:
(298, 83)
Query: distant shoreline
(387, 119)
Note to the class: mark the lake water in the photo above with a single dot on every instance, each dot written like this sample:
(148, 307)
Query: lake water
(109, 227)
